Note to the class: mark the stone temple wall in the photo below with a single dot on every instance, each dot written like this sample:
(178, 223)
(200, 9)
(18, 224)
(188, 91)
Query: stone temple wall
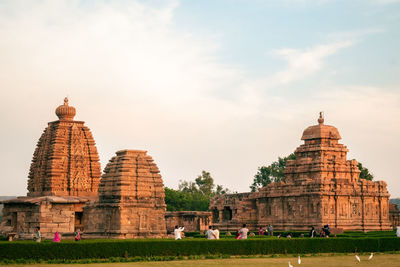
(230, 211)
(131, 199)
(322, 187)
(193, 221)
(50, 213)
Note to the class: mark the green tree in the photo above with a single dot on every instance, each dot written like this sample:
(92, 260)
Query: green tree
(193, 195)
(364, 173)
(272, 173)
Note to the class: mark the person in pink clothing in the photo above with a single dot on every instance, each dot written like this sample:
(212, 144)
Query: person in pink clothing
(57, 237)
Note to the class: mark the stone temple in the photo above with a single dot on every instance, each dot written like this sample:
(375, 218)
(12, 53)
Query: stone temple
(322, 187)
(131, 199)
(66, 192)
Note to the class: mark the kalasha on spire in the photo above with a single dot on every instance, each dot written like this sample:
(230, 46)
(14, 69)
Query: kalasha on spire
(321, 118)
(66, 112)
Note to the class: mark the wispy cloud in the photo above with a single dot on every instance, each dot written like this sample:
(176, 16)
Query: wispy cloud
(303, 63)
(141, 82)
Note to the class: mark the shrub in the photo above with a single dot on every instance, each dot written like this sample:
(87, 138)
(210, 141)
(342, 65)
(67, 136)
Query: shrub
(115, 249)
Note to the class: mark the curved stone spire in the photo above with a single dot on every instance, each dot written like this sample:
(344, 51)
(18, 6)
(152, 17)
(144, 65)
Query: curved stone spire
(66, 112)
(65, 162)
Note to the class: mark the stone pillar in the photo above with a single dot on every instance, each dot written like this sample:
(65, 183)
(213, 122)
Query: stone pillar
(221, 215)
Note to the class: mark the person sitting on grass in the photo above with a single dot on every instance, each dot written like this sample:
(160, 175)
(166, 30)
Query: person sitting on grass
(243, 232)
(260, 231)
(216, 232)
(238, 235)
(210, 233)
(322, 233)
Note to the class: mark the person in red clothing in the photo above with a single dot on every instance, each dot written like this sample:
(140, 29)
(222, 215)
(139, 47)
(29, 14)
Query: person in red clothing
(260, 231)
(77, 235)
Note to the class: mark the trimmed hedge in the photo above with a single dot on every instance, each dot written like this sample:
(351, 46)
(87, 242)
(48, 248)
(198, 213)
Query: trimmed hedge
(98, 249)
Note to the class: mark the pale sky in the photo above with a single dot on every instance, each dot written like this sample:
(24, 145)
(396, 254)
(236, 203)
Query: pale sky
(222, 86)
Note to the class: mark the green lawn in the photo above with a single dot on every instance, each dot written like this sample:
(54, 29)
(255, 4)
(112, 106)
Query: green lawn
(324, 260)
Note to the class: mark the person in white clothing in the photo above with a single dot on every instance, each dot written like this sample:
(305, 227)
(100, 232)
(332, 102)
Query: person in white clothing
(243, 232)
(216, 232)
(398, 231)
(210, 233)
(178, 232)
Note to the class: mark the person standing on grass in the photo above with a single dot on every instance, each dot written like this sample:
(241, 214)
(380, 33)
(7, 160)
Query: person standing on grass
(270, 230)
(210, 233)
(216, 232)
(77, 235)
(313, 233)
(178, 232)
(243, 232)
(57, 237)
(38, 235)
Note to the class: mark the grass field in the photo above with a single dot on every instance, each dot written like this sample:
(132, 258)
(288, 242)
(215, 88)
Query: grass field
(324, 260)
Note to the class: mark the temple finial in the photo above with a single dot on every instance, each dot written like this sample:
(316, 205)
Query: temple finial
(321, 118)
(66, 112)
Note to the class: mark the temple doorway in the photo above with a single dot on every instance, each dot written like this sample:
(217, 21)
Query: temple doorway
(78, 221)
(227, 214)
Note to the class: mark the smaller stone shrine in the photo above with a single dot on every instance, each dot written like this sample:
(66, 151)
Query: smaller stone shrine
(131, 199)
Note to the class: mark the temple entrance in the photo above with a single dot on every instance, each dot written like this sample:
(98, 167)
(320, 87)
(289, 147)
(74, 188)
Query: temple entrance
(227, 214)
(78, 221)
(14, 221)
(215, 215)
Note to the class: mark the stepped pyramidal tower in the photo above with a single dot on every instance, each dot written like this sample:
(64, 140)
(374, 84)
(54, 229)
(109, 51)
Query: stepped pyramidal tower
(131, 199)
(65, 162)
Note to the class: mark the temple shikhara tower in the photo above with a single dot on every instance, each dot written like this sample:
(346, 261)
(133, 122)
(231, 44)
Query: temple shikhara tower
(322, 187)
(131, 199)
(65, 162)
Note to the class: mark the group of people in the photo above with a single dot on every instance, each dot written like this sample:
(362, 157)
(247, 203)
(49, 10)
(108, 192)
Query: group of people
(242, 233)
(212, 233)
(268, 231)
(325, 231)
(57, 236)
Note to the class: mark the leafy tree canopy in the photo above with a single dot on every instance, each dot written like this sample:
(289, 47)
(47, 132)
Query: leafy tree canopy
(272, 173)
(193, 195)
